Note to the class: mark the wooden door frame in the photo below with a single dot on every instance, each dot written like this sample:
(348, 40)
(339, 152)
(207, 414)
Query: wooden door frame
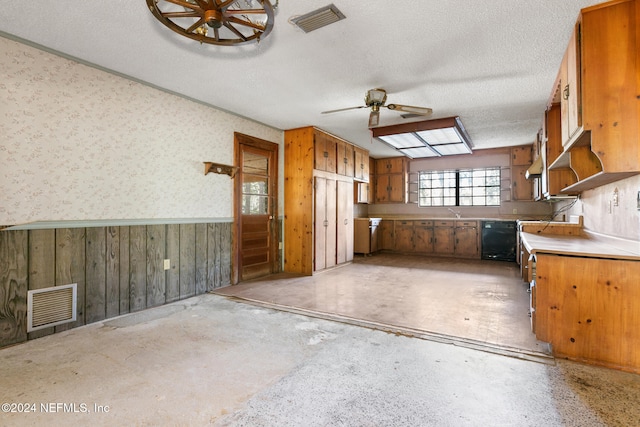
(251, 141)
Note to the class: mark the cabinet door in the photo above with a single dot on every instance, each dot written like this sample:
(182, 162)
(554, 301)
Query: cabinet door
(382, 188)
(521, 187)
(404, 236)
(521, 156)
(325, 224)
(325, 152)
(385, 238)
(344, 159)
(443, 240)
(423, 239)
(361, 164)
(467, 241)
(570, 88)
(397, 190)
(344, 209)
(362, 192)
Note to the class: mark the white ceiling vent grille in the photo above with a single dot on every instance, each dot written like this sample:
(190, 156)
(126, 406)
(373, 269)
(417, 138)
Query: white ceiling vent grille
(51, 306)
(318, 18)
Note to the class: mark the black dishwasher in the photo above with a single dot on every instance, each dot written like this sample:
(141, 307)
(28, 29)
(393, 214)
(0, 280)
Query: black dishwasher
(499, 240)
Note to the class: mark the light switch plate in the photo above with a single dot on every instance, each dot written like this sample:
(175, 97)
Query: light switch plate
(167, 264)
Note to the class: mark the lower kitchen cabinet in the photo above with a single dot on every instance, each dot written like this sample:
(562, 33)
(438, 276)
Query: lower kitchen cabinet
(404, 236)
(443, 237)
(458, 238)
(467, 240)
(366, 235)
(423, 237)
(588, 309)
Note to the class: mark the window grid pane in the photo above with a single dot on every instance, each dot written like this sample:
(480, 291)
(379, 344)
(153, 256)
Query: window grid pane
(464, 187)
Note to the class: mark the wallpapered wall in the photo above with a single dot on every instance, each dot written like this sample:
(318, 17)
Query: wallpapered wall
(79, 143)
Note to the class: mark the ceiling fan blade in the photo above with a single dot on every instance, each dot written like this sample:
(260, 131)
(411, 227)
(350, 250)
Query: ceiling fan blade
(410, 109)
(344, 109)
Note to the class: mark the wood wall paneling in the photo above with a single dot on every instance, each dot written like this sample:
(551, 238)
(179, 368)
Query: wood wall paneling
(113, 272)
(173, 255)
(118, 269)
(187, 260)
(201, 259)
(96, 289)
(41, 267)
(156, 277)
(14, 266)
(125, 290)
(137, 267)
(70, 268)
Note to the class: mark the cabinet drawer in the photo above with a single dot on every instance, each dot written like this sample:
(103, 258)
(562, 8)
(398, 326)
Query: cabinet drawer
(466, 223)
(424, 223)
(441, 223)
(405, 223)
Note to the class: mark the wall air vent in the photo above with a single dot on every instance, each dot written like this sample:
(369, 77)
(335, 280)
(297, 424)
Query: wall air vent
(51, 306)
(318, 18)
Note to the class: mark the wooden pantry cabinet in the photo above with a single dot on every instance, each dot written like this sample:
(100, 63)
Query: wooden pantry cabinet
(319, 197)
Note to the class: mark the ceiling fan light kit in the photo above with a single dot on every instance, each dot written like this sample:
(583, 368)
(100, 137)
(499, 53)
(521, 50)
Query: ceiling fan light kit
(224, 22)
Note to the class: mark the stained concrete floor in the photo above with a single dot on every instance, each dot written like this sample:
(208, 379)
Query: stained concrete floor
(477, 303)
(212, 360)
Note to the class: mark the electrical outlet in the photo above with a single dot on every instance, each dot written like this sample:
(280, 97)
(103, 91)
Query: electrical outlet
(167, 264)
(515, 211)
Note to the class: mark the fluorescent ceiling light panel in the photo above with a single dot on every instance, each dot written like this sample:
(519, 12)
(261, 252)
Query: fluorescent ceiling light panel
(402, 140)
(419, 152)
(427, 138)
(452, 149)
(440, 136)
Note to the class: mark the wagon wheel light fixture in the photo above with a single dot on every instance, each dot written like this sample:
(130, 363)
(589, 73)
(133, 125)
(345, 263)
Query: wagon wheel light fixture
(220, 22)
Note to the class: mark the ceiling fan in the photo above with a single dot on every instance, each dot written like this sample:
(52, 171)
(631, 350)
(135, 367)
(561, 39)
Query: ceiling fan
(375, 99)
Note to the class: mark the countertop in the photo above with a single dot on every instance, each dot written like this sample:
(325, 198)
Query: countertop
(587, 244)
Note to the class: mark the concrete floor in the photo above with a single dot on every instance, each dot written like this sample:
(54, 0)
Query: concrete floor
(210, 360)
(471, 302)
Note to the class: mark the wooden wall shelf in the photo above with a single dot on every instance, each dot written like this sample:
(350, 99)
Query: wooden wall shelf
(220, 168)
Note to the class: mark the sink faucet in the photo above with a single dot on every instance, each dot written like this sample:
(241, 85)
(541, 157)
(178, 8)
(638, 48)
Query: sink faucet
(456, 213)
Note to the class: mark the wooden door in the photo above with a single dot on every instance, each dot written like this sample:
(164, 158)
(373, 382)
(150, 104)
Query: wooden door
(344, 209)
(344, 159)
(397, 193)
(255, 208)
(325, 223)
(386, 232)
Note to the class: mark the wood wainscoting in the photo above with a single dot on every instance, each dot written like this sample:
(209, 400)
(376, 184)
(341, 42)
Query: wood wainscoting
(118, 269)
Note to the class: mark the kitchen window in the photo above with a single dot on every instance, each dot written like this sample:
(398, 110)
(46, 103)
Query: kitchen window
(461, 187)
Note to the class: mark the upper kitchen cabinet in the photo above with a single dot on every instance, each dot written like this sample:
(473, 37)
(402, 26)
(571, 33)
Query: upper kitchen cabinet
(521, 187)
(345, 158)
(391, 180)
(361, 164)
(598, 89)
(326, 151)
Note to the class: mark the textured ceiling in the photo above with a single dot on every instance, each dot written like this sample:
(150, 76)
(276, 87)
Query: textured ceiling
(491, 62)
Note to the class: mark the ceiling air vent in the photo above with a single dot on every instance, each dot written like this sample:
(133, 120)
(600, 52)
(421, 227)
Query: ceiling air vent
(318, 18)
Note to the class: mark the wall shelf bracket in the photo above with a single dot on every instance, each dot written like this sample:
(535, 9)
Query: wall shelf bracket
(220, 168)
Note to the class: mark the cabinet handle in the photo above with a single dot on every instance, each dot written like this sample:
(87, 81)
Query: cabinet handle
(345, 160)
(346, 221)
(325, 223)
(565, 93)
(326, 154)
